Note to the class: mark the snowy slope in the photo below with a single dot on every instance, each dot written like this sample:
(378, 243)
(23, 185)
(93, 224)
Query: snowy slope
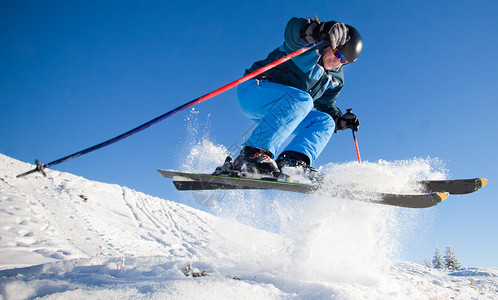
(67, 237)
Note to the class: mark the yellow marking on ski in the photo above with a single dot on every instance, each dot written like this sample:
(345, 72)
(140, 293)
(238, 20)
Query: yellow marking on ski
(443, 195)
(484, 181)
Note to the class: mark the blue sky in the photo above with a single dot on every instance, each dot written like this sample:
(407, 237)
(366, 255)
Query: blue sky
(80, 72)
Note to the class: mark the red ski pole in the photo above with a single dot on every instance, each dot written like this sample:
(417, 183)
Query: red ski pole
(356, 146)
(40, 167)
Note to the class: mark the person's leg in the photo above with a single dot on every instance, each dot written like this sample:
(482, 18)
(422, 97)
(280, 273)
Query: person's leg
(277, 109)
(312, 135)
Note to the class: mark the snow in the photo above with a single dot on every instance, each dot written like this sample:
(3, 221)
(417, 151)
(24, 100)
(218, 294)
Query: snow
(68, 237)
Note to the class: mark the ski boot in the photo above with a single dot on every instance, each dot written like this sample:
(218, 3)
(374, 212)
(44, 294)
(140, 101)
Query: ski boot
(250, 161)
(299, 161)
(227, 169)
(257, 161)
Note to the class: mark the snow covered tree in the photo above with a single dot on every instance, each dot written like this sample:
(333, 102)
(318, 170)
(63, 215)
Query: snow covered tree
(428, 263)
(437, 260)
(451, 262)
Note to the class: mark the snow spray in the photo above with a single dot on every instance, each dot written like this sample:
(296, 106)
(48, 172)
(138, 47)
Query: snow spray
(330, 239)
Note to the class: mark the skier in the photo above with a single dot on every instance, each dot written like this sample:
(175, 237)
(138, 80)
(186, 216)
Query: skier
(297, 97)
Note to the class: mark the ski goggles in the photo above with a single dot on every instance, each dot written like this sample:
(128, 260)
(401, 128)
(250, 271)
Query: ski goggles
(339, 55)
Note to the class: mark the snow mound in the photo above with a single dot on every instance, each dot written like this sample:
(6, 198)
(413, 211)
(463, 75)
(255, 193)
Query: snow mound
(67, 237)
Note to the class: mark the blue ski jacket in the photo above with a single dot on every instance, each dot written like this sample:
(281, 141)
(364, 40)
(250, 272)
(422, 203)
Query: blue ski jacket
(306, 71)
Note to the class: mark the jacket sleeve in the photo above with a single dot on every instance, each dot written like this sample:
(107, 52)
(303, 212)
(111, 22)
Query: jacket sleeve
(294, 33)
(294, 40)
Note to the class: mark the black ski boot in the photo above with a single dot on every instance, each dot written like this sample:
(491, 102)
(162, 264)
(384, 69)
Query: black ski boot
(292, 159)
(256, 160)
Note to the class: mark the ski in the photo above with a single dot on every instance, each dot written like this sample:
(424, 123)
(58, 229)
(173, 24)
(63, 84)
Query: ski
(196, 181)
(453, 187)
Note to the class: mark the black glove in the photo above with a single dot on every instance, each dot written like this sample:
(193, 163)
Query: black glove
(349, 120)
(335, 32)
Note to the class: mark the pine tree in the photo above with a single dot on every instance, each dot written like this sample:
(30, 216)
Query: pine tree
(451, 262)
(437, 260)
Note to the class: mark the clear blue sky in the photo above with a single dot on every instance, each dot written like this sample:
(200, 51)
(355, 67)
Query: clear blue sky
(75, 73)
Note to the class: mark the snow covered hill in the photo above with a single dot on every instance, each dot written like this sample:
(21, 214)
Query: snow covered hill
(67, 237)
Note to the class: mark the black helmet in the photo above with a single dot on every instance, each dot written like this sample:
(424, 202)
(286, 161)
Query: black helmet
(352, 49)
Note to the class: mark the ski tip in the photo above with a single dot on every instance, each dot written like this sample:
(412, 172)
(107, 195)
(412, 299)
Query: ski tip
(442, 195)
(484, 181)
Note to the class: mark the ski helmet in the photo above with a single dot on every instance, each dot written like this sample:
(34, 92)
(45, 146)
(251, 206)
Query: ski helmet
(352, 48)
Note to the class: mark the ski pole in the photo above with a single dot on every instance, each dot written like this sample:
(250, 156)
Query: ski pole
(40, 167)
(356, 146)
(349, 111)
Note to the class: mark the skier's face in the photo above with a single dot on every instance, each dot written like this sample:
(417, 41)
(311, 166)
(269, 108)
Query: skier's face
(330, 61)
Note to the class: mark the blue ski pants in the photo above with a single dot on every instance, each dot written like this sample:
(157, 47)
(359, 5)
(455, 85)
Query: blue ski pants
(280, 111)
